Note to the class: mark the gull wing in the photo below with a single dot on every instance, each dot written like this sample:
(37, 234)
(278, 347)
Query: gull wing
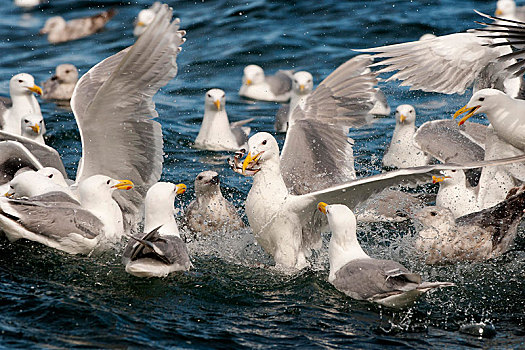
(114, 109)
(447, 64)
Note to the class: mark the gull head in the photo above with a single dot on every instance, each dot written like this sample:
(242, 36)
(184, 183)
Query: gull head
(253, 75)
(162, 195)
(207, 182)
(55, 23)
(33, 125)
(29, 184)
(483, 101)
(341, 219)
(405, 115)
(66, 73)
(54, 174)
(101, 186)
(450, 177)
(215, 100)
(262, 147)
(144, 19)
(302, 83)
(505, 8)
(23, 84)
(435, 217)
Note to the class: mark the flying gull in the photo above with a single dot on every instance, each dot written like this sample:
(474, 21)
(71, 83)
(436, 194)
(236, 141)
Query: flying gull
(216, 132)
(272, 88)
(61, 85)
(210, 211)
(159, 251)
(361, 277)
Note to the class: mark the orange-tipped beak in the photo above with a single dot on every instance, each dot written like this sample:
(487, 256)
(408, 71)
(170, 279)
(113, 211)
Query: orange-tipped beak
(36, 128)
(124, 185)
(436, 179)
(181, 188)
(470, 112)
(248, 160)
(217, 104)
(248, 82)
(322, 207)
(402, 118)
(36, 89)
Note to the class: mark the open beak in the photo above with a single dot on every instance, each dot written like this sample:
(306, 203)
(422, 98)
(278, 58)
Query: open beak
(249, 160)
(217, 104)
(36, 128)
(402, 118)
(322, 207)
(9, 194)
(470, 112)
(36, 89)
(248, 82)
(301, 88)
(180, 188)
(124, 185)
(498, 12)
(436, 179)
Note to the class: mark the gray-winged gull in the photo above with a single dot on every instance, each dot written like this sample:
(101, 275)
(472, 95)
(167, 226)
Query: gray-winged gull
(61, 85)
(273, 88)
(159, 251)
(58, 221)
(210, 211)
(401, 152)
(22, 102)
(144, 18)
(37, 183)
(361, 277)
(283, 219)
(216, 132)
(59, 30)
(475, 237)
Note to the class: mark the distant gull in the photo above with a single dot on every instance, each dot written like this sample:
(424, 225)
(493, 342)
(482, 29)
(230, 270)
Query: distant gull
(216, 132)
(210, 211)
(475, 237)
(22, 102)
(273, 88)
(58, 221)
(401, 152)
(29, 4)
(61, 85)
(507, 9)
(159, 251)
(145, 17)
(59, 31)
(361, 277)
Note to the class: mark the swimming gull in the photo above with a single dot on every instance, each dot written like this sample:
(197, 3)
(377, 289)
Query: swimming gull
(282, 218)
(159, 251)
(475, 237)
(34, 183)
(33, 127)
(216, 132)
(210, 211)
(22, 102)
(401, 152)
(61, 85)
(272, 88)
(59, 31)
(59, 221)
(145, 17)
(28, 4)
(361, 277)
(507, 9)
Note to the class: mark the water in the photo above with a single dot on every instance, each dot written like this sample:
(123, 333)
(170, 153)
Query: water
(232, 299)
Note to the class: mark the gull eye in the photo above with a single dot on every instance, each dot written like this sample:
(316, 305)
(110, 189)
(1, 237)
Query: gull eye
(50, 176)
(453, 171)
(20, 81)
(108, 182)
(264, 142)
(26, 121)
(295, 81)
(481, 99)
(433, 213)
(209, 95)
(309, 81)
(199, 178)
(67, 71)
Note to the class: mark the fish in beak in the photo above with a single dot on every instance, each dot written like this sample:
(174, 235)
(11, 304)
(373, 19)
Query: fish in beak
(35, 128)
(250, 161)
(470, 112)
(217, 104)
(36, 89)
(124, 185)
(322, 207)
(180, 188)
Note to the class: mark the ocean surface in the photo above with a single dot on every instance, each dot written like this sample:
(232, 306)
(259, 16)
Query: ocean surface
(233, 298)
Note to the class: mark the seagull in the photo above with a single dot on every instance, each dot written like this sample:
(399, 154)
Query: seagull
(402, 153)
(507, 9)
(455, 194)
(61, 85)
(273, 88)
(361, 277)
(478, 236)
(216, 132)
(210, 211)
(36, 183)
(59, 31)
(159, 251)
(33, 127)
(28, 4)
(145, 17)
(22, 102)
(281, 215)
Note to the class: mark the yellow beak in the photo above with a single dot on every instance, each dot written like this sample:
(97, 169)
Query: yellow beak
(36, 89)
(248, 82)
(181, 188)
(470, 112)
(402, 118)
(301, 87)
(36, 128)
(217, 104)
(124, 185)
(248, 160)
(436, 179)
(9, 195)
(498, 12)
(322, 207)
(141, 24)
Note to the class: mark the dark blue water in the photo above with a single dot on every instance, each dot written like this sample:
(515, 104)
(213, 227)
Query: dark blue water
(231, 299)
